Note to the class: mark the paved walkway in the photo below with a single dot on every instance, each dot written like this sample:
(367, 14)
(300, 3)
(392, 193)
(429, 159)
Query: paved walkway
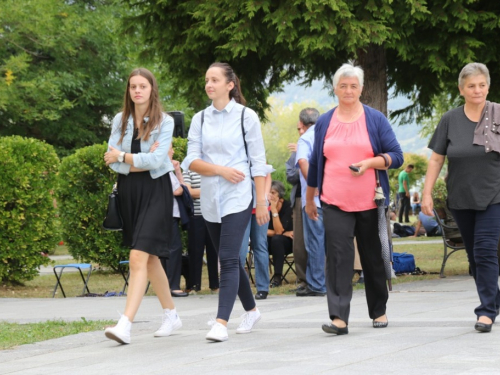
(430, 332)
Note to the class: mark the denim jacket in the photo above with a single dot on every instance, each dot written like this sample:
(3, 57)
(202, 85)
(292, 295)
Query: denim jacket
(158, 163)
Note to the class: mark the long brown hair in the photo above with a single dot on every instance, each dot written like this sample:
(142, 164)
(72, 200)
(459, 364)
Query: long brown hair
(235, 93)
(155, 111)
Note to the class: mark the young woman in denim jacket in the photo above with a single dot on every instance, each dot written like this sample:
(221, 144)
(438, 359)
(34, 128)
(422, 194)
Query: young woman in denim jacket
(145, 196)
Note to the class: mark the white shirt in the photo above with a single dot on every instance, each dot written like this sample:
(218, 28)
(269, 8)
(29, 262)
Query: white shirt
(175, 185)
(220, 142)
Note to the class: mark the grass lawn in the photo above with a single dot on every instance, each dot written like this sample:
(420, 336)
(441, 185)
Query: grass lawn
(13, 334)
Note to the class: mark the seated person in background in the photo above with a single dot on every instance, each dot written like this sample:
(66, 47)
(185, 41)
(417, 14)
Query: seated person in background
(428, 224)
(415, 203)
(280, 231)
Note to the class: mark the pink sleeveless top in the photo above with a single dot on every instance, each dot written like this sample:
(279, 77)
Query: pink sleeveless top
(346, 144)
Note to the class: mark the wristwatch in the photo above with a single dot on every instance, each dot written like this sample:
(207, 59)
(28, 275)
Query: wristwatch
(275, 214)
(121, 157)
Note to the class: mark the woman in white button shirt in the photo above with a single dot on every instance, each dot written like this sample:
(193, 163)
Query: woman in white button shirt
(216, 150)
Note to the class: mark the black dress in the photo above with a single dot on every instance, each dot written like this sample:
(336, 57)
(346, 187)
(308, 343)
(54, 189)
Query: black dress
(146, 206)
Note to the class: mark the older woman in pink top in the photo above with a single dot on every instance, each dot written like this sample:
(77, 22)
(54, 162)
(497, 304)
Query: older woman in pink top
(351, 142)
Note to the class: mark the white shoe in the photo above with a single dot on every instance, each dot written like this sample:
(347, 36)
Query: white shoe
(217, 333)
(120, 332)
(250, 319)
(170, 323)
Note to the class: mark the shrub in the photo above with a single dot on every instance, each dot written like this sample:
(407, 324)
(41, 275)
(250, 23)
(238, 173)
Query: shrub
(280, 175)
(27, 214)
(84, 185)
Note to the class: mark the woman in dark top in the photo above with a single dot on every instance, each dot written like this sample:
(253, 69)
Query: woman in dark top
(145, 196)
(468, 136)
(280, 231)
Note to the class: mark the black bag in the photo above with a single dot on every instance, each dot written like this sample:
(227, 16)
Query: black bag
(113, 219)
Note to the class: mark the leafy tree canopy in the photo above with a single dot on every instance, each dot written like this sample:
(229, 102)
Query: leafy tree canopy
(63, 69)
(420, 44)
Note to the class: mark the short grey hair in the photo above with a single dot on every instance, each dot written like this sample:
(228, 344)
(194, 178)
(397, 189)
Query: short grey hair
(348, 70)
(308, 116)
(473, 69)
(279, 187)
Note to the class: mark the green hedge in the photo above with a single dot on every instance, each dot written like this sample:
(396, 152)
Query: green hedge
(28, 227)
(84, 185)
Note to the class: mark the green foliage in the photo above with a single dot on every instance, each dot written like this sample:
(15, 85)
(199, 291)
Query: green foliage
(83, 187)
(27, 214)
(281, 128)
(416, 176)
(63, 67)
(180, 148)
(424, 44)
(439, 193)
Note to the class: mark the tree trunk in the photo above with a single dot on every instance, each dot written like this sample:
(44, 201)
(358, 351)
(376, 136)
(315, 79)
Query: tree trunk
(373, 62)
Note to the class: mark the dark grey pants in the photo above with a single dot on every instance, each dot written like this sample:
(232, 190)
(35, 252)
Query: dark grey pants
(299, 247)
(227, 237)
(340, 229)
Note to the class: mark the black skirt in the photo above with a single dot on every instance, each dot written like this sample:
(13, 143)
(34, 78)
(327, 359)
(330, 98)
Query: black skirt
(146, 206)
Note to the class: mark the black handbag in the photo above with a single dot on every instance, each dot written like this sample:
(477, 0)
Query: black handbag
(113, 219)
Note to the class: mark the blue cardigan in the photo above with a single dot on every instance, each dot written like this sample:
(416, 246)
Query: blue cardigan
(382, 138)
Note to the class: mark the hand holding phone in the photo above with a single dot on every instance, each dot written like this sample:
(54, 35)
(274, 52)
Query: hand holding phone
(353, 168)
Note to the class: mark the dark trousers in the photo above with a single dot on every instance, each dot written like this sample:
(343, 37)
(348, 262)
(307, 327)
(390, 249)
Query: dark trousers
(199, 241)
(404, 206)
(173, 264)
(299, 247)
(480, 231)
(340, 229)
(227, 238)
(279, 246)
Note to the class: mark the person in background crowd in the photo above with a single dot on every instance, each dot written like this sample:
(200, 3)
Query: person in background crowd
(299, 248)
(199, 240)
(404, 193)
(258, 237)
(415, 203)
(314, 232)
(280, 232)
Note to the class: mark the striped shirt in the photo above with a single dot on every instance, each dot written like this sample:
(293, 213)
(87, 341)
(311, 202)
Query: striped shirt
(193, 179)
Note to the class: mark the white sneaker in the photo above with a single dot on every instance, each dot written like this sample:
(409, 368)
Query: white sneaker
(217, 333)
(170, 323)
(121, 331)
(250, 319)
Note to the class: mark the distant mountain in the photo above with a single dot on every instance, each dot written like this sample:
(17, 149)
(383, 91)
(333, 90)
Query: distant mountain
(408, 135)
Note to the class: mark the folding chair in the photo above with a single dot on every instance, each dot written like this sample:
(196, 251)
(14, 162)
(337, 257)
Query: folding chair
(121, 268)
(451, 237)
(288, 266)
(250, 265)
(79, 267)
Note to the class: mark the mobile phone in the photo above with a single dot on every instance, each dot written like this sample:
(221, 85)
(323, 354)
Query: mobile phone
(353, 168)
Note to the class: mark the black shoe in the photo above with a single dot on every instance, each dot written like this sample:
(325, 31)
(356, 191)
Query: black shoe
(332, 328)
(261, 295)
(380, 324)
(306, 292)
(483, 327)
(299, 287)
(276, 281)
(179, 294)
